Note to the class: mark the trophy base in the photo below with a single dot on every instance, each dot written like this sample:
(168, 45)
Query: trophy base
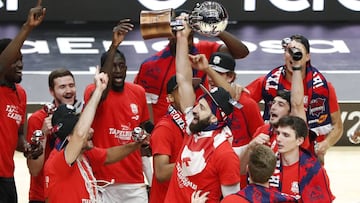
(156, 24)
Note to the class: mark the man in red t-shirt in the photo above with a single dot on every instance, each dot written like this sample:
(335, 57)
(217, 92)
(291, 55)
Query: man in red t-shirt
(13, 103)
(62, 88)
(155, 71)
(320, 101)
(122, 109)
(206, 160)
(292, 175)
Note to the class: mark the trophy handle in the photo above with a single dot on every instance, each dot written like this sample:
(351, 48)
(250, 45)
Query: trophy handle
(156, 24)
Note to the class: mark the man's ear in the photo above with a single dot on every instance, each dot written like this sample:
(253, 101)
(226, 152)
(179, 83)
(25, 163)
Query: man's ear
(170, 99)
(52, 92)
(300, 140)
(213, 119)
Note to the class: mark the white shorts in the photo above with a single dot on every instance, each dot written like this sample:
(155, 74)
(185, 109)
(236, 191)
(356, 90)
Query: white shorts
(125, 193)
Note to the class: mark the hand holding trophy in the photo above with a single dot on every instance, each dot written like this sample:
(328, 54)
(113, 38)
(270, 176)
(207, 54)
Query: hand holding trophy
(208, 18)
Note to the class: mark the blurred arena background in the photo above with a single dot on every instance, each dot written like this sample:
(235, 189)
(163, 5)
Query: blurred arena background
(75, 33)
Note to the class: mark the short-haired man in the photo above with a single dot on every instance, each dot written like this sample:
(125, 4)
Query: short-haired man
(62, 88)
(122, 109)
(292, 174)
(261, 166)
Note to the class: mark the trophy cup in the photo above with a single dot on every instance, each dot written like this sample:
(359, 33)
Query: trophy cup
(208, 18)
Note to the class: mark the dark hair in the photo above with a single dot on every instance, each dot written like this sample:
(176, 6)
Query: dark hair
(262, 163)
(4, 43)
(285, 94)
(61, 72)
(303, 40)
(105, 54)
(296, 123)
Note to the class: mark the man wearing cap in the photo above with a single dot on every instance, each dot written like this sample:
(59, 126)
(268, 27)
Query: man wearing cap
(245, 119)
(166, 140)
(156, 70)
(320, 101)
(206, 161)
(69, 170)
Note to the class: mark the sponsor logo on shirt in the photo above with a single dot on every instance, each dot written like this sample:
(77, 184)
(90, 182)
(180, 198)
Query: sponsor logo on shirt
(13, 113)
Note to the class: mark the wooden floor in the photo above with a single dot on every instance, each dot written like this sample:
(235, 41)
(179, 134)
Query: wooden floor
(341, 163)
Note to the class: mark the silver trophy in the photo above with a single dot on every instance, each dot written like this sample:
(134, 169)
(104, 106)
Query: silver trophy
(208, 18)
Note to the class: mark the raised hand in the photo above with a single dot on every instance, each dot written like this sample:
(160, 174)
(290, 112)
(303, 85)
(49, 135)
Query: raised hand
(119, 31)
(187, 30)
(199, 62)
(36, 15)
(101, 79)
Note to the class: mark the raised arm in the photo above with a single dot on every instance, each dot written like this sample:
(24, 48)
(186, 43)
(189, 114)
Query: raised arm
(200, 62)
(234, 46)
(183, 69)
(81, 134)
(119, 33)
(11, 53)
(297, 93)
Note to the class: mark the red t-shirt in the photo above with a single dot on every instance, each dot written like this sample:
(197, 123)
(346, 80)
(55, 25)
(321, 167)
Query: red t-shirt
(290, 179)
(166, 139)
(64, 182)
(12, 116)
(204, 163)
(148, 75)
(115, 119)
(35, 122)
(245, 121)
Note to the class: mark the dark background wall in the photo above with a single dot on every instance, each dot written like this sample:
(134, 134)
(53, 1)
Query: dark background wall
(239, 10)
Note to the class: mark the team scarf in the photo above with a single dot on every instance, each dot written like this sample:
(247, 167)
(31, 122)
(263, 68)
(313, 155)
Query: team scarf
(157, 68)
(260, 194)
(313, 181)
(177, 117)
(317, 104)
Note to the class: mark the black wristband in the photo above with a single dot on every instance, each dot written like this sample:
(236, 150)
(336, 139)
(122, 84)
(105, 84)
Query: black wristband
(296, 68)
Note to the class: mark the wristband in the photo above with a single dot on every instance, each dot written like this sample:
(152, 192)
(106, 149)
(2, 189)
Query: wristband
(296, 68)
